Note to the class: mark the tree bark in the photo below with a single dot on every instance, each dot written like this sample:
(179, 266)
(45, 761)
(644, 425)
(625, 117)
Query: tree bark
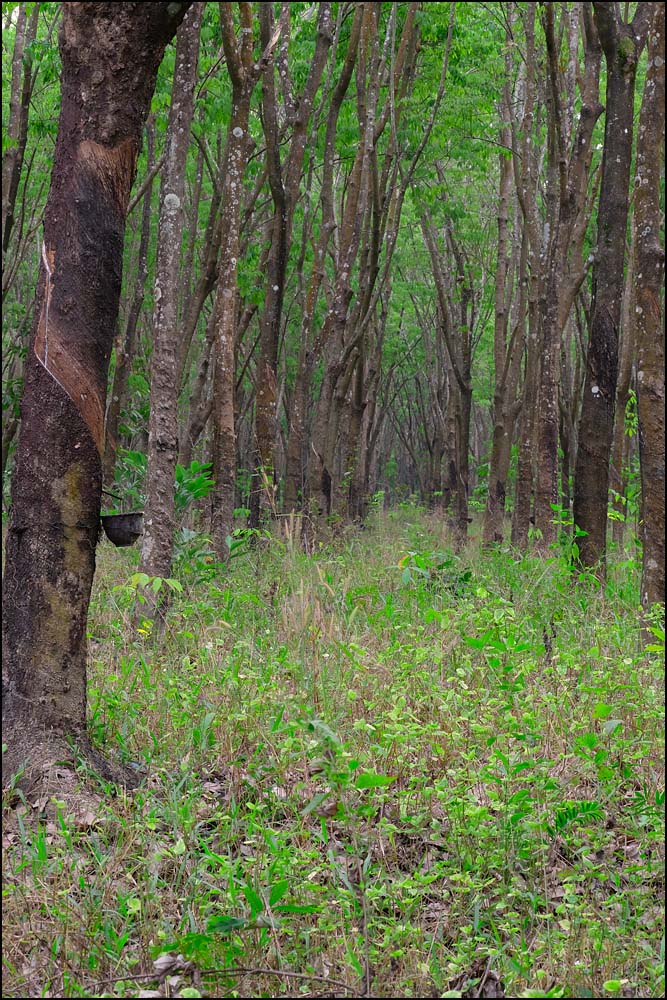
(244, 75)
(568, 210)
(502, 428)
(110, 57)
(648, 315)
(458, 340)
(627, 356)
(525, 165)
(284, 181)
(21, 88)
(295, 479)
(158, 539)
(126, 345)
(622, 45)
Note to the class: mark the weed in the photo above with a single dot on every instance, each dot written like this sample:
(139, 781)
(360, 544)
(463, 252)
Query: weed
(382, 768)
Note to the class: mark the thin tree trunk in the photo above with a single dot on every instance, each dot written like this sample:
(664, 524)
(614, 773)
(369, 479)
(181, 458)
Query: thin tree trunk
(567, 208)
(244, 76)
(295, 478)
(126, 346)
(285, 183)
(627, 355)
(495, 501)
(159, 523)
(648, 313)
(521, 516)
(21, 88)
(525, 166)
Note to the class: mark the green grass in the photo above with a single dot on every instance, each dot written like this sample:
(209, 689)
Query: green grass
(386, 767)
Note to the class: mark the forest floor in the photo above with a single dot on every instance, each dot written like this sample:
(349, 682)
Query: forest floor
(382, 770)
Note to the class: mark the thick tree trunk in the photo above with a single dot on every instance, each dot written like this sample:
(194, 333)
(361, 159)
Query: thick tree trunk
(622, 45)
(158, 540)
(110, 57)
(648, 313)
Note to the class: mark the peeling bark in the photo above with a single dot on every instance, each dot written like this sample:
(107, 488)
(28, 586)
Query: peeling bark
(110, 57)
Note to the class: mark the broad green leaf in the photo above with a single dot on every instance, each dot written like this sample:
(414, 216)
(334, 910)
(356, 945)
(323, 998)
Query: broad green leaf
(368, 779)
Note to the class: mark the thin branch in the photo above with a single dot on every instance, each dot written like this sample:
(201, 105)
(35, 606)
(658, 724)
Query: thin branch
(232, 971)
(145, 184)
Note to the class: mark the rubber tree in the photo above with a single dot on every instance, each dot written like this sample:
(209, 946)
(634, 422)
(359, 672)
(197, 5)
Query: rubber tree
(244, 73)
(649, 320)
(284, 176)
(622, 45)
(158, 540)
(110, 57)
(566, 266)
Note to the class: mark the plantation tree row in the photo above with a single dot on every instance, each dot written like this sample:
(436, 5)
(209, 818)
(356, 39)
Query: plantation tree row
(293, 257)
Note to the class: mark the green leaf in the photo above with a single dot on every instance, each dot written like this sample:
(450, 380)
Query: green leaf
(226, 925)
(254, 900)
(277, 891)
(315, 802)
(368, 779)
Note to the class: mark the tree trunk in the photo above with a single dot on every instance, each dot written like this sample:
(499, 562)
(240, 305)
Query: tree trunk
(521, 516)
(495, 501)
(110, 57)
(244, 77)
(158, 540)
(525, 163)
(17, 126)
(126, 345)
(622, 45)
(627, 355)
(648, 313)
(568, 214)
(295, 477)
(284, 181)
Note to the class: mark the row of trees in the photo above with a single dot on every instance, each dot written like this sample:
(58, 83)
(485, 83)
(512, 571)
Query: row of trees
(370, 242)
